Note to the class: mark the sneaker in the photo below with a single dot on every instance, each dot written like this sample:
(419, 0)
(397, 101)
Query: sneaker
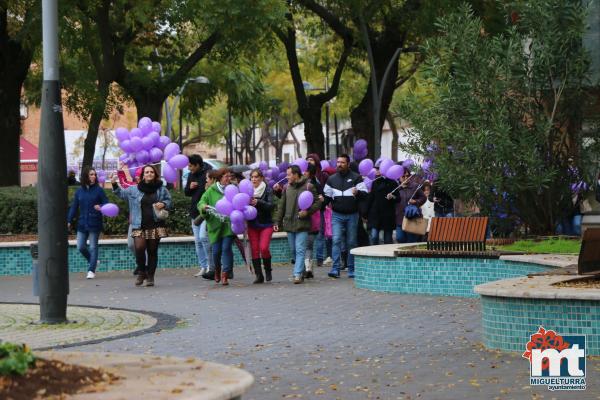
(298, 279)
(199, 274)
(351, 275)
(209, 275)
(309, 275)
(90, 275)
(328, 262)
(333, 274)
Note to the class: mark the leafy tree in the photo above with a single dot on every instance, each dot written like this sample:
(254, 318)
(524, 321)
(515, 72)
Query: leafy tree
(500, 114)
(20, 35)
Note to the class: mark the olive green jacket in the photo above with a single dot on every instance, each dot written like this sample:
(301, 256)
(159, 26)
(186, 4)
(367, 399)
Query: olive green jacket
(287, 217)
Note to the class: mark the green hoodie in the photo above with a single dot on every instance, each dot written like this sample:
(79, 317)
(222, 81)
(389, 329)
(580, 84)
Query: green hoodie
(215, 228)
(287, 210)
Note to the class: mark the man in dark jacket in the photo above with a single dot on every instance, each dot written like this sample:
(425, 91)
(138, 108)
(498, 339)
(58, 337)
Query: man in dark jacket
(195, 188)
(344, 190)
(381, 209)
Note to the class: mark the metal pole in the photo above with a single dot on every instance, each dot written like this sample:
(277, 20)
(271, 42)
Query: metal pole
(327, 130)
(52, 184)
(253, 137)
(180, 142)
(230, 134)
(337, 138)
(277, 160)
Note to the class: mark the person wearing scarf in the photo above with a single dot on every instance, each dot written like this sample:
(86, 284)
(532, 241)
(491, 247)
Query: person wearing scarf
(144, 199)
(87, 200)
(260, 229)
(219, 230)
(321, 177)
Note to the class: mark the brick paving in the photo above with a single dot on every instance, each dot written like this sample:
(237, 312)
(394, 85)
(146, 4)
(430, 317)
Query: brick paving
(321, 340)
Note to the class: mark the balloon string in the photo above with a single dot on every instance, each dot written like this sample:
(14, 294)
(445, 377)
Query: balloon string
(400, 185)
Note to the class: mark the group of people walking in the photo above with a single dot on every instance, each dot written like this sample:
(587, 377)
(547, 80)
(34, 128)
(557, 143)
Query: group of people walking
(334, 223)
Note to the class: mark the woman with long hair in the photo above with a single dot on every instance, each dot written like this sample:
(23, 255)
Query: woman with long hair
(219, 230)
(87, 200)
(146, 200)
(260, 229)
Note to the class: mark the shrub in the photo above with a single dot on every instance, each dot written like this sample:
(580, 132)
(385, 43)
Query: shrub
(15, 359)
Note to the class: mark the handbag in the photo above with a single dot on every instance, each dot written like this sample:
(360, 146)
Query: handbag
(160, 214)
(416, 226)
(585, 206)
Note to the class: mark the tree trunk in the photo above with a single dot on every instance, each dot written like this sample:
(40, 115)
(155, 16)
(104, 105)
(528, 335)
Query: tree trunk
(395, 136)
(10, 126)
(362, 115)
(89, 147)
(313, 128)
(148, 105)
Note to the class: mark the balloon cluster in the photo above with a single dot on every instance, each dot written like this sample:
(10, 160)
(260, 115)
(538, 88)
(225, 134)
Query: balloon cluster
(236, 205)
(360, 149)
(144, 145)
(278, 174)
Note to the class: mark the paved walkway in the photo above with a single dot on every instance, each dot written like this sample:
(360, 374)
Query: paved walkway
(321, 340)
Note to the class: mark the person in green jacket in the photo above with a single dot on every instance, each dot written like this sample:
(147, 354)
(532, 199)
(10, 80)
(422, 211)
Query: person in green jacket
(219, 230)
(296, 222)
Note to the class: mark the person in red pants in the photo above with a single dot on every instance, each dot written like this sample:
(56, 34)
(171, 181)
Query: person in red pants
(260, 229)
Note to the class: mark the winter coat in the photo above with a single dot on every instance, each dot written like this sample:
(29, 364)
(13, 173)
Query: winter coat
(216, 228)
(403, 195)
(264, 206)
(134, 197)
(381, 211)
(338, 191)
(321, 175)
(84, 200)
(445, 203)
(200, 178)
(287, 213)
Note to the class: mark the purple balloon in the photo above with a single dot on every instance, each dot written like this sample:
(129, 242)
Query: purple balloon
(360, 144)
(263, 166)
(240, 201)
(385, 164)
(305, 200)
(302, 163)
(224, 207)
(156, 127)
(372, 175)
(281, 176)
(109, 210)
(148, 143)
(408, 163)
(238, 229)
(171, 150)
(365, 166)
(122, 134)
(142, 156)
(145, 124)
(283, 166)
(124, 157)
(324, 164)
(179, 161)
(155, 155)
(133, 166)
(394, 172)
(236, 217)
(155, 137)
(230, 192)
(136, 132)
(246, 187)
(250, 213)
(169, 173)
(333, 163)
(125, 145)
(163, 141)
(136, 144)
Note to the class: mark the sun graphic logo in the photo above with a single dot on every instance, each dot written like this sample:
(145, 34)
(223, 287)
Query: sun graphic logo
(556, 361)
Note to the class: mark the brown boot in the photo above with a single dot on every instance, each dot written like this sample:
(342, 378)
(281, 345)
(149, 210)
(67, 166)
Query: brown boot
(224, 278)
(140, 277)
(150, 278)
(217, 273)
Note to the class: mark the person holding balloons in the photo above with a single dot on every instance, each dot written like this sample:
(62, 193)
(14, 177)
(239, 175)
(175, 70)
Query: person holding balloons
(219, 230)
(147, 200)
(298, 202)
(407, 193)
(260, 229)
(88, 200)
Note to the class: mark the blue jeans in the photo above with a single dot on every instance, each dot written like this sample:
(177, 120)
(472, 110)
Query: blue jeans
(320, 242)
(442, 215)
(387, 236)
(90, 252)
(297, 243)
(202, 245)
(405, 237)
(222, 253)
(344, 227)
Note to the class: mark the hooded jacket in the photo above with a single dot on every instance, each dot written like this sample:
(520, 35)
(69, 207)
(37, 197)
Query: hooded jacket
(321, 175)
(287, 211)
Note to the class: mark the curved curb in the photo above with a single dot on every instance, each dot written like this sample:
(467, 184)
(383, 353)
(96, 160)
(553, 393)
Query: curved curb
(163, 322)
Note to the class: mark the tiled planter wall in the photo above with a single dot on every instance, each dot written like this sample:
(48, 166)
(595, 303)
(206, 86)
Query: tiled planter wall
(178, 254)
(435, 276)
(508, 322)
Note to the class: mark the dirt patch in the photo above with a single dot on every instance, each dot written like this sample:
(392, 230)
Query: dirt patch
(584, 283)
(54, 379)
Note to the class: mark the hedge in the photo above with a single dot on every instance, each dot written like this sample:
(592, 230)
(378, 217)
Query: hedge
(18, 208)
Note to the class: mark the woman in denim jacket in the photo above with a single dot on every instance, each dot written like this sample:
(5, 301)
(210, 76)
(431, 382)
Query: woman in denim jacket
(145, 199)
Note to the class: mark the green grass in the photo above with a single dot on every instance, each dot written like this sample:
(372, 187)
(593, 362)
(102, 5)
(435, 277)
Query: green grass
(548, 246)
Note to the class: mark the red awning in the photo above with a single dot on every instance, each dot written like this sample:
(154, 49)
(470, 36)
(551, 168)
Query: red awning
(29, 153)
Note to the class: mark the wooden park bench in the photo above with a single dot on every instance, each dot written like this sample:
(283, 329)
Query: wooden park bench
(457, 234)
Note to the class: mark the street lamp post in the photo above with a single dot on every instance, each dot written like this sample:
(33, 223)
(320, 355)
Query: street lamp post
(52, 185)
